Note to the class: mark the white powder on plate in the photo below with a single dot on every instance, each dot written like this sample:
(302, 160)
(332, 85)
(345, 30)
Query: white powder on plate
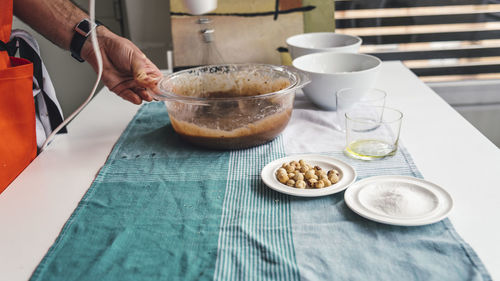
(398, 199)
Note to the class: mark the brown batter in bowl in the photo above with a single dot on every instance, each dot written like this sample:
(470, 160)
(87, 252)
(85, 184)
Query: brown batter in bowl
(230, 106)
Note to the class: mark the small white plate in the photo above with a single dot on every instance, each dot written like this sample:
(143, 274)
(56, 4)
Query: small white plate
(399, 200)
(347, 175)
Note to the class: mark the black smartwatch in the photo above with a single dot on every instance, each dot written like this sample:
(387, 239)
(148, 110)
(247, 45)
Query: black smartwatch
(82, 31)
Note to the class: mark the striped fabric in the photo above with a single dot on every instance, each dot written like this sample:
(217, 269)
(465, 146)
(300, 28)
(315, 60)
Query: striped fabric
(400, 164)
(161, 209)
(255, 241)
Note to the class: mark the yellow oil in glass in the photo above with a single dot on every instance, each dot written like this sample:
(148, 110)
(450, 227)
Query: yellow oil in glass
(370, 149)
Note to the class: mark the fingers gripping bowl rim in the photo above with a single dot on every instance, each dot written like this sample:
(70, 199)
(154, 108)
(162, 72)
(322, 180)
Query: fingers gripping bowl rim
(230, 106)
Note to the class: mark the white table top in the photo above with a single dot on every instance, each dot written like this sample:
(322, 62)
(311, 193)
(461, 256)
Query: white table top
(446, 148)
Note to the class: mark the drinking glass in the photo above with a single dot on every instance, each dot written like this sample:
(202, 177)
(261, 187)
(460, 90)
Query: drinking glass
(372, 133)
(350, 99)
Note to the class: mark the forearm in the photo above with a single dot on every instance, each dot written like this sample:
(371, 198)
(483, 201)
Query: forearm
(126, 70)
(54, 19)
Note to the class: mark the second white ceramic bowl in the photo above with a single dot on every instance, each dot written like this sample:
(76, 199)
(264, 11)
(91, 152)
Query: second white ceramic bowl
(330, 72)
(316, 42)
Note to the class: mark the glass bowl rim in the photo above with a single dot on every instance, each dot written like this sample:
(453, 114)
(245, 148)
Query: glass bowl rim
(166, 96)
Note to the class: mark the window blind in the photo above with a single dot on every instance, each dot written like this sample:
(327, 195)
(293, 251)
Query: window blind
(439, 40)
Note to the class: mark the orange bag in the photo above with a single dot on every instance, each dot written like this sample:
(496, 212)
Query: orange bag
(17, 108)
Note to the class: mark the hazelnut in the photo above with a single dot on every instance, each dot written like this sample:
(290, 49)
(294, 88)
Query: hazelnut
(334, 178)
(319, 184)
(289, 168)
(311, 182)
(300, 184)
(304, 168)
(298, 176)
(320, 172)
(309, 174)
(283, 178)
(333, 172)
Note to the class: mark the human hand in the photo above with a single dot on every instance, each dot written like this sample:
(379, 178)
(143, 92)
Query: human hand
(126, 70)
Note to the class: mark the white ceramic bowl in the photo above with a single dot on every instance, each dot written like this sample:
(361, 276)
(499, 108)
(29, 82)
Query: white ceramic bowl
(330, 72)
(308, 43)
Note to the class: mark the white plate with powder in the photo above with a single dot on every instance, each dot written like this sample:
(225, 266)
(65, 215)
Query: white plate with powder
(399, 200)
(347, 175)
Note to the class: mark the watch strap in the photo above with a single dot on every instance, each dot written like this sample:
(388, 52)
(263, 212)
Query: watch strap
(82, 32)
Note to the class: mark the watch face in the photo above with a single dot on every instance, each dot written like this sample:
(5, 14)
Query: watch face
(85, 25)
(83, 28)
(82, 31)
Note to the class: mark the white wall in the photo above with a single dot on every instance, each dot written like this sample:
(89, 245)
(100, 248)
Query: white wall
(72, 80)
(476, 101)
(486, 118)
(147, 24)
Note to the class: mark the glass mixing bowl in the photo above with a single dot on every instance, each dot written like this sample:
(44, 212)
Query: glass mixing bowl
(230, 106)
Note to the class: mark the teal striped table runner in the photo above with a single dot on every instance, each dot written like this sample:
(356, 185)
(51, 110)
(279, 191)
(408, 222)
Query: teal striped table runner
(161, 209)
(255, 241)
